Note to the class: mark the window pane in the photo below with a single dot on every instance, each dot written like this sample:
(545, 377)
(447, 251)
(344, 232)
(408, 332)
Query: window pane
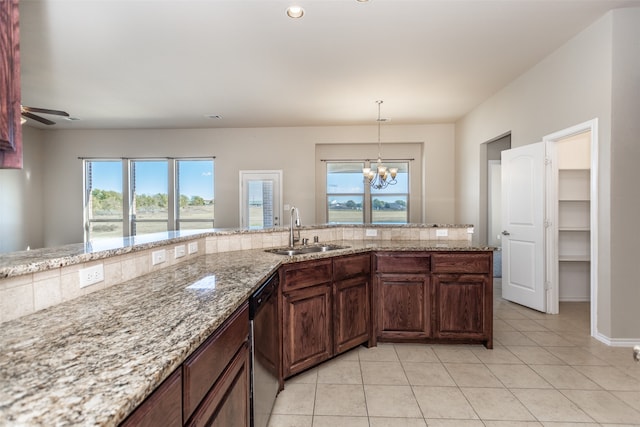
(389, 209)
(101, 230)
(344, 177)
(144, 227)
(149, 190)
(402, 179)
(196, 225)
(104, 180)
(345, 209)
(260, 194)
(195, 190)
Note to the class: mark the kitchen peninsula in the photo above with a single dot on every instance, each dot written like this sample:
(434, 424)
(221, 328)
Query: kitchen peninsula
(94, 358)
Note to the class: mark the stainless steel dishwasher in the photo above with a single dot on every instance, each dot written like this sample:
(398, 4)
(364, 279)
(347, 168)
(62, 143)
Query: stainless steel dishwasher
(263, 314)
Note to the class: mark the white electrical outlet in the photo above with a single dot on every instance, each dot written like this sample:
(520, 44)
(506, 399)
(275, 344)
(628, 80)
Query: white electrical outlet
(180, 251)
(91, 275)
(193, 247)
(371, 232)
(442, 232)
(470, 230)
(158, 257)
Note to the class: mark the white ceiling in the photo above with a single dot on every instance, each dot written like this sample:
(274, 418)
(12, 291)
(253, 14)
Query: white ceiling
(168, 63)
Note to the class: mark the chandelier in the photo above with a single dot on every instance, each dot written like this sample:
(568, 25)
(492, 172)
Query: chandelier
(380, 177)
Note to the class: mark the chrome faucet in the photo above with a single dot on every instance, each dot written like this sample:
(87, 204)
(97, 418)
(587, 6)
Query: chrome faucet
(294, 213)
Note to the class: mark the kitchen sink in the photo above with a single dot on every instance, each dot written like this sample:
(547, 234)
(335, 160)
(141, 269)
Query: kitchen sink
(301, 250)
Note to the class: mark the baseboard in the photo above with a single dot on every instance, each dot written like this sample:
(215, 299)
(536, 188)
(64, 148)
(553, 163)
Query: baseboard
(575, 299)
(617, 342)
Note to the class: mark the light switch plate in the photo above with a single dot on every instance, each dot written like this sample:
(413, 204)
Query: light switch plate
(158, 257)
(442, 232)
(371, 232)
(193, 247)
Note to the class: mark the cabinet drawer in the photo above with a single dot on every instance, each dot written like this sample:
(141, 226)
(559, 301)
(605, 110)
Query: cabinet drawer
(461, 263)
(202, 369)
(403, 262)
(163, 407)
(350, 266)
(306, 274)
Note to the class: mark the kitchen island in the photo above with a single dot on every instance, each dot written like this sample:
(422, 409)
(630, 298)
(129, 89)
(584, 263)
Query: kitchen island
(93, 360)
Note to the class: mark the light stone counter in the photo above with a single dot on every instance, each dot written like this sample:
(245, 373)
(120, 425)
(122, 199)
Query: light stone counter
(92, 360)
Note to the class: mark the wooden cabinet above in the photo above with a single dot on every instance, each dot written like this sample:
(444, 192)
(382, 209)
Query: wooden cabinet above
(10, 127)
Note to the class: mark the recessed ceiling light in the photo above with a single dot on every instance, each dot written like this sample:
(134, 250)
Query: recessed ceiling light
(295, 12)
(362, 1)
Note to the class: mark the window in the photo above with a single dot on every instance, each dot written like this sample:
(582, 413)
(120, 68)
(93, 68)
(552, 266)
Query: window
(343, 196)
(131, 197)
(347, 191)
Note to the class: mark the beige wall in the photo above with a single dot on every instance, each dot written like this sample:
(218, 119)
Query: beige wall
(21, 218)
(289, 149)
(571, 86)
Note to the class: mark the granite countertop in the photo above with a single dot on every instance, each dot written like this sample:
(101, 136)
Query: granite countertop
(92, 360)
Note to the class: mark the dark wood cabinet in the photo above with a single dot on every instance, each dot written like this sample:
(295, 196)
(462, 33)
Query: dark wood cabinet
(10, 127)
(326, 310)
(307, 336)
(351, 302)
(463, 284)
(227, 404)
(162, 407)
(404, 307)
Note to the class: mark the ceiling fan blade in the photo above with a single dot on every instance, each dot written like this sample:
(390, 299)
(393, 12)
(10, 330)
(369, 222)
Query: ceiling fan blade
(45, 111)
(38, 118)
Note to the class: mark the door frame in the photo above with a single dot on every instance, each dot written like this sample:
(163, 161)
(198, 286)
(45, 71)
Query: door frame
(553, 295)
(247, 173)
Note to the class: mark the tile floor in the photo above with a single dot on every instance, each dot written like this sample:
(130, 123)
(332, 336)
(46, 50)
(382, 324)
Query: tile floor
(544, 370)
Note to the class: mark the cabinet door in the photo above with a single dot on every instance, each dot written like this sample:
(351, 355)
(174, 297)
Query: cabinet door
(306, 328)
(10, 128)
(163, 407)
(227, 404)
(404, 306)
(463, 307)
(352, 319)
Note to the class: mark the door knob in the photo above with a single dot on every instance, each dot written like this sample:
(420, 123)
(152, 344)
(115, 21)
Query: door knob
(506, 233)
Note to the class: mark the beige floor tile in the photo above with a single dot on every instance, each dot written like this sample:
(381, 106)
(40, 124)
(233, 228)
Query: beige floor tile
(340, 399)
(508, 313)
(498, 355)
(278, 420)
(554, 424)
(603, 406)
(548, 339)
(518, 376)
(432, 374)
(443, 402)
(454, 423)
(415, 353)
(396, 422)
(497, 404)
(351, 355)
(550, 405)
(382, 353)
(295, 399)
(383, 373)
(340, 372)
(576, 356)
(502, 325)
(565, 377)
(632, 398)
(333, 421)
(610, 378)
(455, 354)
(526, 325)
(472, 375)
(534, 355)
(391, 401)
(509, 338)
(512, 424)
(306, 377)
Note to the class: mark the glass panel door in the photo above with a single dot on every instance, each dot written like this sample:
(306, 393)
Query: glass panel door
(260, 205)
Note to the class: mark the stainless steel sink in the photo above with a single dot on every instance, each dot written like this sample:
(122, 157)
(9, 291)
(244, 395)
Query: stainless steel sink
(301, 250)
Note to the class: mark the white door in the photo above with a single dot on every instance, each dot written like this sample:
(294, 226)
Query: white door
(260, 193)
(523, 208)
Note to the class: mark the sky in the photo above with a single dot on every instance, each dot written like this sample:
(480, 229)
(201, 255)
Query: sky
(196, 177)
